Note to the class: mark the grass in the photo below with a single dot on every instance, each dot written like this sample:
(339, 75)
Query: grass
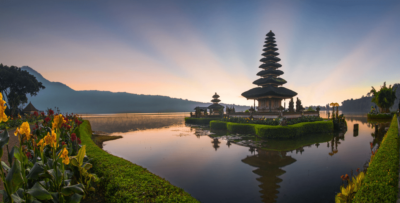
(381, 181)
(123, 181)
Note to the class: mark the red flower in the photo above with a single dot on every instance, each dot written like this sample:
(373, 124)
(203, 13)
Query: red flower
(28, 154)
(42, 113)
(358, 170)
(47, 119)
(79, 141)
(372, 146)
(73, 137)
(36, 113)
(63, 143)
(346, 177)
(51, 112)
(342, 177)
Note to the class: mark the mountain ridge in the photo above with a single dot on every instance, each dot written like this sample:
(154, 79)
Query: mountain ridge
(57, 94)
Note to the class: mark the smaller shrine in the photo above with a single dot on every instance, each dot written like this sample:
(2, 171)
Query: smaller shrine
(215, 108)
(29, 109)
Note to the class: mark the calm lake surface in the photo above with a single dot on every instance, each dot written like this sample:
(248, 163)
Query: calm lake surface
(303, 170)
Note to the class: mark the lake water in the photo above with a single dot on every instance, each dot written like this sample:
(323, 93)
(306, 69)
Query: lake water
(213, 171)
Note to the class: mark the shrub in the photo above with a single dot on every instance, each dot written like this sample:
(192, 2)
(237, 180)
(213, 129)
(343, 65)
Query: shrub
(381, 181)
(241, 128)
(278, 132)
(218, 125)
(124, 181)
(380, 116)
(200, 121)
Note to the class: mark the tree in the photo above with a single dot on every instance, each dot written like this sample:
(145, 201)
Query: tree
(384, 98)
(299, 107)
(291, 105)
(15, 84)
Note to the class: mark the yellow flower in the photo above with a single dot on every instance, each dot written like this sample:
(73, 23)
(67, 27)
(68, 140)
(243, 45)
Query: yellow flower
(66, 160)
(41, 144)
(16, 132)
(3, 116)
(64, 155)
(25, 129)
(19, 116)
(58, 121)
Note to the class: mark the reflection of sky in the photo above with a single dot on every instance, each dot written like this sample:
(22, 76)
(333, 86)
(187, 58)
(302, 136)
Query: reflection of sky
(188, 161)
(330, 50)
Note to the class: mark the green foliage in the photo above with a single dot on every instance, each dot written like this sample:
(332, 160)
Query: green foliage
(347, 193)
(39, 170)
(83, 167)
(310, 109)
(218, 125)
(124, 181)
(241, 128)
(270, 121)
(247, 111)
(384, 98)
(380, 116)
(16, 84)
(381, 180)
(277, 132)
(200, 121)
(291, 131)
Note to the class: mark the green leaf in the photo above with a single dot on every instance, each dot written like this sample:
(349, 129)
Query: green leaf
(5, 166)
(81, 155)
(74, 161)
(6, 198)
(69, 190)
(3, 140)
(39, 192)
(75, 198)
(11, 156)
(14, 177)
(16, 198)
(55, 197)
(35, 171)
(17, 155)
(87, 166)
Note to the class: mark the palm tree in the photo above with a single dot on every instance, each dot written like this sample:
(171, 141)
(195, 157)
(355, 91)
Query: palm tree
(384, 98)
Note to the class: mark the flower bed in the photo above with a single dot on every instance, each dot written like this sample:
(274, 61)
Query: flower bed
(200, 121)
(381, 181)
(276, 132)
(124, 181)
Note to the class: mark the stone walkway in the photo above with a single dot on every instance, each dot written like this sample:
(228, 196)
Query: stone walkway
(13, 141)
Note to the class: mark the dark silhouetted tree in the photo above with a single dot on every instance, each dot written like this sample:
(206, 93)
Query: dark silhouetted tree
(15, 84)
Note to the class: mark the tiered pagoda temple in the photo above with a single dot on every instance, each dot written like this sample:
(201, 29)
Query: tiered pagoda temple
(215, 108)
(270, 92)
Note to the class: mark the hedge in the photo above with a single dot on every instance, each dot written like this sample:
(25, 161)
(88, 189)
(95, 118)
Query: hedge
(124, 181)
(218, 125)
(241, 128)
(269, 131)
(380, 116)
(381, 181)
(201, 121)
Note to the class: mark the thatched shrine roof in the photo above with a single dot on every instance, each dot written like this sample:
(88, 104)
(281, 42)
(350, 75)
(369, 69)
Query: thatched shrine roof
(29, 108)
(269, 91)
(216, 106)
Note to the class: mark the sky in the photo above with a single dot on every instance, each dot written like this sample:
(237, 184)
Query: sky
(330, 50)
